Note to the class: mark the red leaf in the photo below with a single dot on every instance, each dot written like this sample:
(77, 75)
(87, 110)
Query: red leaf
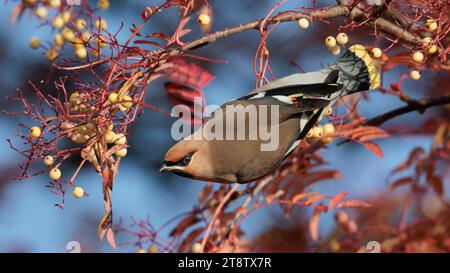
(186, 81)
(205, 193)
(400, 182)
(416, 153)
(148, 12)
(191, 237)
(188, 74)
(353, 203)
(160, 35)
(374, 148)
(314, 224)
(322, 208)
(16, 13)
(314, 199)
(395, 86)
(179, 94)
(110, 238)
(314, 177)
(188, 221)
(338, 198)
(272, 196)
(436, 183)
(300, 196)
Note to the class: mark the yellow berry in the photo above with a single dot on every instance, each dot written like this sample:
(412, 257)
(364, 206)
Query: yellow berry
(80, 24)
(196, 248)
(77, 43)
(309, 134)
(432, 49)
(58, 22)
(73, 96)
(86, 36)
(120, 139)
(78, 192)
(427, 41)
(35, 42)
(55, 174)
(429, 21)
(204, 19)
(328, 129)
(317, 131)
(49, 160)
(35, 132)
(303, 23)
(122, 152)
(41, 12)
(330, 42)
(101, 41)
(415, 75)
(376, 52)
(122, 109)
(66, 16)
(55, 3)
(113, 97)
(335, 50)
(140, 250)
(100, 24)
(329, 111)
(127, 101)
(68, 34)
(51, 54)
(433, 26)
(103, 4)
(81, 53)
(110, 137)
(152, 249)
(342, 38)
(418, 57)
(334, 245)
(58, 39)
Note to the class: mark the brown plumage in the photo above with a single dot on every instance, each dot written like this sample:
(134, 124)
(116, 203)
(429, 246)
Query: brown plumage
(238, 161)
(301, 100)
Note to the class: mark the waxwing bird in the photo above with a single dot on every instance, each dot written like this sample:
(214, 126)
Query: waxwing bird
(238, 155)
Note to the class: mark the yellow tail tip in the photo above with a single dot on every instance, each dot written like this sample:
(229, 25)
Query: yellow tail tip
(361, 52)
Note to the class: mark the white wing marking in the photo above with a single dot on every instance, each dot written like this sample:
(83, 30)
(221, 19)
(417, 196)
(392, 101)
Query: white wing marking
(283, 99)
(258, 95)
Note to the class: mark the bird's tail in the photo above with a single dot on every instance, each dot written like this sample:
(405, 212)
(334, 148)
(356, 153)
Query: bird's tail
(357, 70)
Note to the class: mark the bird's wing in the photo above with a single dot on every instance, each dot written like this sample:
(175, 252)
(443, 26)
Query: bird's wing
(318, 83)
(316, 90)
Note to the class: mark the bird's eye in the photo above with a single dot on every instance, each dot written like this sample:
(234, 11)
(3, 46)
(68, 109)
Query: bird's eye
(185, 160)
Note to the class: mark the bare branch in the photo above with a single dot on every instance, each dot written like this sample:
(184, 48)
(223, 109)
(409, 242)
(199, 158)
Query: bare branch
(419, 106)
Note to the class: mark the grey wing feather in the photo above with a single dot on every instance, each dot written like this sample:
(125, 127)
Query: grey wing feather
(325, 75)
(301, 105)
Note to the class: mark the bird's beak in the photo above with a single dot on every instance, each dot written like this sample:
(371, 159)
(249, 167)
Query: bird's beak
(165, 168)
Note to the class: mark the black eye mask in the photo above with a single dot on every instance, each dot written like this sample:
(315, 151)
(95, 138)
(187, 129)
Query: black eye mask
(182, 162)
(185, 160)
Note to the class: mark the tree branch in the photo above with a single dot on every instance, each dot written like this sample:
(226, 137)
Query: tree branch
(324, 13)
(419, 106)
